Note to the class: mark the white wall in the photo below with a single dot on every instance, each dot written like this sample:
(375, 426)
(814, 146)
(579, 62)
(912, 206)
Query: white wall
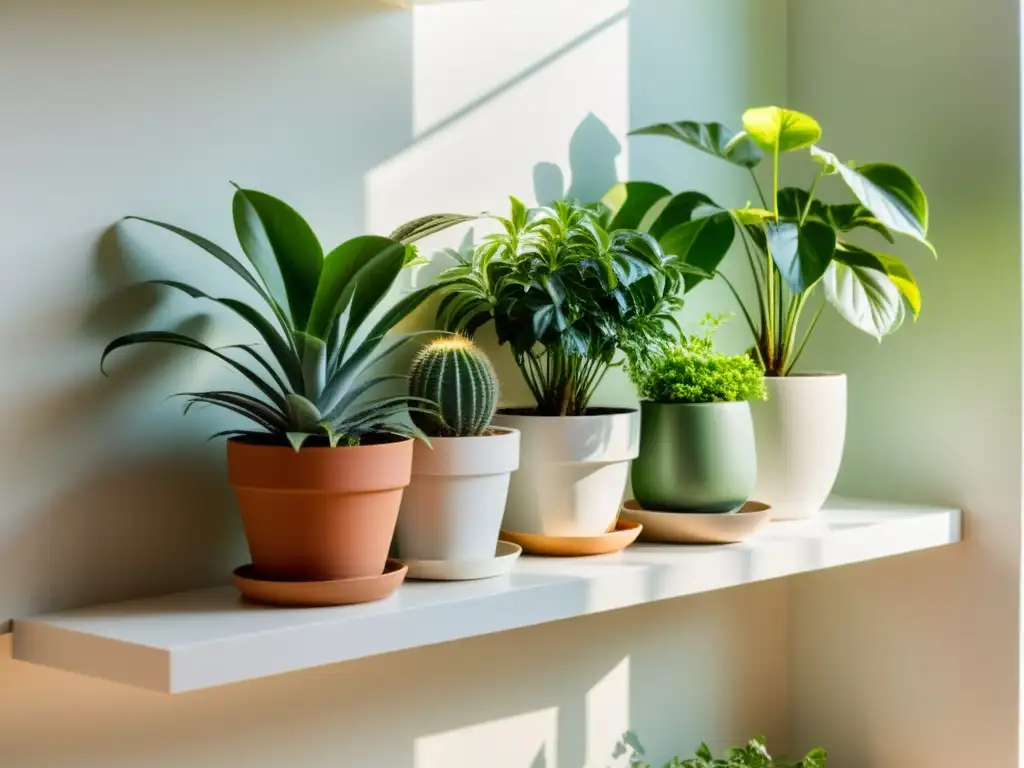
(915, 661)
(361, 116)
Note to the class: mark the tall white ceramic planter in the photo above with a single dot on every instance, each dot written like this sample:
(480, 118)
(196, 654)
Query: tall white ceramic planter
(799, 432)
(573, 471)
(452, 508)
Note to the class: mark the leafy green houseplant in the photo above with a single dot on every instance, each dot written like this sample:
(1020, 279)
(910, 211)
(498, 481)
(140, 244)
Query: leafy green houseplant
(793, 240)
(307, 386)
(754, 755)
(451, 514)
(696, 435)
(566, 294)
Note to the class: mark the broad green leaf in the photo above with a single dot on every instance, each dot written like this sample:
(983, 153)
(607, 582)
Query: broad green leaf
(678, 210)
(713, 138)
(630, 201)
(282, 248)
(890, 265)
(864, 296)
(701, 243)
(304, 416)
(419, 228)
(356, 275)
(802, 254)
(849, 216)
(180, 340)
(889, 192)
(218, 253)
(278, 345)
(788, 130)
(313, 353)
(752, 216)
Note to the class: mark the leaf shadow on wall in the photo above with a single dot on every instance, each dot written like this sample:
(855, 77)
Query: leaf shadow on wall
(593, 150)
(111, 523)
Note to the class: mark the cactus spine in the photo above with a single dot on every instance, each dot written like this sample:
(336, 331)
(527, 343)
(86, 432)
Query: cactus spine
(456, 375)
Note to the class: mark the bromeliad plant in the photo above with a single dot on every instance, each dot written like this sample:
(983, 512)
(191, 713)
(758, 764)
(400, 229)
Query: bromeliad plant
(753, 755)
(793, 240)
(566, 294)
(693, 372)
(313, 315)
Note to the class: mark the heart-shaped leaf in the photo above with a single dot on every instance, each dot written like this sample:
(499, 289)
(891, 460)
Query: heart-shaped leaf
(865, 297)
(713, 138)
(630, 201)
(890, 265)
(887, 191)
(701, 243)
(802, 254)
(774, 127)
(677, 210)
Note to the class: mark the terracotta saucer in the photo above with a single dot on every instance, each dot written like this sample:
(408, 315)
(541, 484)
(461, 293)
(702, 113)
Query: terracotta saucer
(698, 527)
(624, 534)
(311, 594)
(504, 558)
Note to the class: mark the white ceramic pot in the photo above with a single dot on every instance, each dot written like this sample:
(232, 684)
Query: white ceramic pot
(573, 471)
(800, 432)
(452, 509)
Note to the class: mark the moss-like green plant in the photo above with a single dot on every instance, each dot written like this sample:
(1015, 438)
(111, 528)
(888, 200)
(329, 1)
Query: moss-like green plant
(692, 372)
(753, 755)
(456, 375)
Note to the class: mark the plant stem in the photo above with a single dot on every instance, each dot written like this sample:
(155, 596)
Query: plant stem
(810, 198)
(746, 314)
(757, 185)
(807, 335)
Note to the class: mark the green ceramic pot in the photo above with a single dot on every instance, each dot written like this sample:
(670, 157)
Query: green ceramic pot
(695, 457)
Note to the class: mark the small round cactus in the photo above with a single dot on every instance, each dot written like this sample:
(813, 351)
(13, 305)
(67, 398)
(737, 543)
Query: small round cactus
(456, 375)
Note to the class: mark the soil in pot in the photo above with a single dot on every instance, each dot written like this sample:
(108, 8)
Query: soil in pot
(319, 514)
(695, 457)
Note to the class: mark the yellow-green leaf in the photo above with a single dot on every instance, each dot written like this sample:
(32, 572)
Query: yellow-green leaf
(773, 126)
(752, 216)
(903, 279)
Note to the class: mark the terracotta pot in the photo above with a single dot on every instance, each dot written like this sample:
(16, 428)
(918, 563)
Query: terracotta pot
(322, 513)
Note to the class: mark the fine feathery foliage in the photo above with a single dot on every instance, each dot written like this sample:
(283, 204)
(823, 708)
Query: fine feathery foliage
(456, 375)
(692, 372)
(793, 241)
(629, 752)
(566, 294)
(312, 312)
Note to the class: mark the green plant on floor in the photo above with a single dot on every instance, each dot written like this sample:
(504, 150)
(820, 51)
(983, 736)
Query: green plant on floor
(456, 375)
(693, 372)
(312, 312)
(793, 240)
(566, 294)
(753, 755)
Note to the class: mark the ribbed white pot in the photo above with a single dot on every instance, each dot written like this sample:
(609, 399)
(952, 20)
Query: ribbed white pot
(799, 432)
(573, 471)
(453, 507)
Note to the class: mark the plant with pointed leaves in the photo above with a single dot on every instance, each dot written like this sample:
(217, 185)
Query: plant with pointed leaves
(314, 319)
(794, 242)
(566, 295)
(753, 755)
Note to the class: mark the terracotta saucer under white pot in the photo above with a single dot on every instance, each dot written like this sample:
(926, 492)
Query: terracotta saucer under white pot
(504, 558)
(698, 527)
(621, 536)
(314, 594)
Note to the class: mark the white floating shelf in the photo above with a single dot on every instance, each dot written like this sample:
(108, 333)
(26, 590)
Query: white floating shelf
(192, 640)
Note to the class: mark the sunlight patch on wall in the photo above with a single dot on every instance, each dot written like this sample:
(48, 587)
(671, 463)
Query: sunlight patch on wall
(523, 741)
(521, 129)
(607, 714)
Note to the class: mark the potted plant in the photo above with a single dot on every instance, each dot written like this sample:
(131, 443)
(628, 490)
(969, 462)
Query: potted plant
(629, 752)
(319, 472)
(452, 510)
(566, 295)
(798, 248)
(696, 433)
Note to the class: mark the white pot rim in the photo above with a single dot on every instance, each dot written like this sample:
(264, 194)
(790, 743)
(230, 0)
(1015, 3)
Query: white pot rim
(716, 404)
(523, 412)
(477, 455)
(809, 375)
(598, 438)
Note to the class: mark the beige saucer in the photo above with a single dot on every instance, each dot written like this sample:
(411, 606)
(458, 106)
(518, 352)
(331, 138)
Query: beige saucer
(622, 536)
(310, 594)
(698, 528)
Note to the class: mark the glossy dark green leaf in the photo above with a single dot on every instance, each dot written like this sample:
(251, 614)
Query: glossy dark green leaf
(802, 254)
(701, 243)
(680, 209)
(254, 409)
(629, 202)
(713, 138)
(419, 228)
(282, 248)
